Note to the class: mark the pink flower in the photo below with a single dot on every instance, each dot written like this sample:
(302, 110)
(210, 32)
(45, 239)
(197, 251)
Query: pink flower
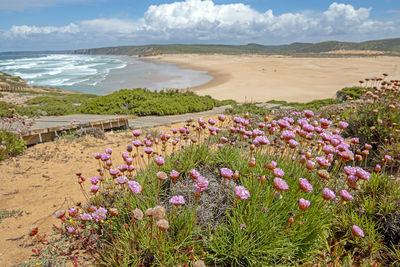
(135, 187)
(136, 133)
(174, 175)
(293, 143)
(94, 180)
(71, 230)
(177, 200)
(388, 158)
(148, 150)
(159, 161)
(357, 231)
(85, 217)
(304, 185)
(280, 184)
(241, 192)
(304, 204)
(99, 214)
(226, 173)
(123, 167)
(346, 196)
(308, 113)
(195, 174)
(72, 212)
(272, 165)
(137, 143)
(343, 125)
(122, 180)
(109, 151)
(279, 172)
(94, 188)
(328, 194)
(201, 184)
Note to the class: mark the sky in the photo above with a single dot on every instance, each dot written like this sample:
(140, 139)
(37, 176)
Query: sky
(37, 25)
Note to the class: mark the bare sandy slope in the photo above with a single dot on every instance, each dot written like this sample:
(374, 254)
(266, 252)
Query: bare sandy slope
(261, 78)
(42, 180)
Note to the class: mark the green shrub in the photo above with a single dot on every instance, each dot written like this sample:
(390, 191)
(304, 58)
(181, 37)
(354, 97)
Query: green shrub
(10, 145)
(354, 92)
(312, 105)
(247, 108)
(142, 102)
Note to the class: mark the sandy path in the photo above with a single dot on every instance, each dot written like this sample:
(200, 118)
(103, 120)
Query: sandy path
(42, 180)
(262, 78)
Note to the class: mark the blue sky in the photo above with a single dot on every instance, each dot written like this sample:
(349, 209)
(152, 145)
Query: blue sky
(72, 24)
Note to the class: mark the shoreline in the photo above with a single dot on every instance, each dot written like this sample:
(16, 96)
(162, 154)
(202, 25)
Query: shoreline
(250, 78)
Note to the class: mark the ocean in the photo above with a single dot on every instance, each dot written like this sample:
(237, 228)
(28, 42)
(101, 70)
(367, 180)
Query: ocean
(99, 75)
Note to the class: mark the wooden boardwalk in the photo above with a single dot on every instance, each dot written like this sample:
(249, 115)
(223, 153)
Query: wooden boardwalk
(47, 128)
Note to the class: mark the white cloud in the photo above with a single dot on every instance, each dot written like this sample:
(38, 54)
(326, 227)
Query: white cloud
(25, 31)
(204, 21)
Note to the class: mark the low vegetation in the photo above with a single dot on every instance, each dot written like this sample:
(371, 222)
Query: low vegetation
(142, 102)
(241, 190)
(388, 46)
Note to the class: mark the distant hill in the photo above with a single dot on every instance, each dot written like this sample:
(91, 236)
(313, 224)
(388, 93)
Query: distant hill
(388, 46)
(385, 46)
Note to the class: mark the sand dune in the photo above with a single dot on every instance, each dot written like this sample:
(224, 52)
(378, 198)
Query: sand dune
(262, 78)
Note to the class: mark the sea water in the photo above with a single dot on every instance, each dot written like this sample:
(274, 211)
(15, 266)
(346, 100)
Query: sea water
(99, 75)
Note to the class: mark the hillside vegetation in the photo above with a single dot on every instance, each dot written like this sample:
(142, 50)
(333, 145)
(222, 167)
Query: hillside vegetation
(389, 46)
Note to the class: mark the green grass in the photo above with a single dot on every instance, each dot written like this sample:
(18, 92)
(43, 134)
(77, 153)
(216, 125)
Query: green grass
(4, 214)
(312, 105)
(12, 145)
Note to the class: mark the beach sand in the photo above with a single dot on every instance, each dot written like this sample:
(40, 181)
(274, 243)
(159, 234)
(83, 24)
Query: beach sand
(257, 78)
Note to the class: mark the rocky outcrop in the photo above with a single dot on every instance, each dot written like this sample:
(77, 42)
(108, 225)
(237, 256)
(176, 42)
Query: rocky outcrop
(12, 83)
(149, 53)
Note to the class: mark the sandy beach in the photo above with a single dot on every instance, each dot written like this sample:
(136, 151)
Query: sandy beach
(258, 78)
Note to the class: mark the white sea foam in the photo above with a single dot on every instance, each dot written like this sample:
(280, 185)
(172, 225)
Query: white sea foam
(94, 74)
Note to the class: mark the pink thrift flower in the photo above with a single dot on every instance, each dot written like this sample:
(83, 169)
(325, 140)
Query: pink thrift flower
(241, 192)
(94, 188)
(148, 150)
(201, 184)
(304, 204)
(226, 173)
(85, 217)
(357, 231)
(279, 172)
(195, 174)
(280, 184)
(94, 180)
(136, 133)
(304, 185)
(135, 187)
(328, 194)
(122, 180)
(174, 175)
(99, 214)
(177, 200)
(308, 113)
(159, 161)
(346, 196)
